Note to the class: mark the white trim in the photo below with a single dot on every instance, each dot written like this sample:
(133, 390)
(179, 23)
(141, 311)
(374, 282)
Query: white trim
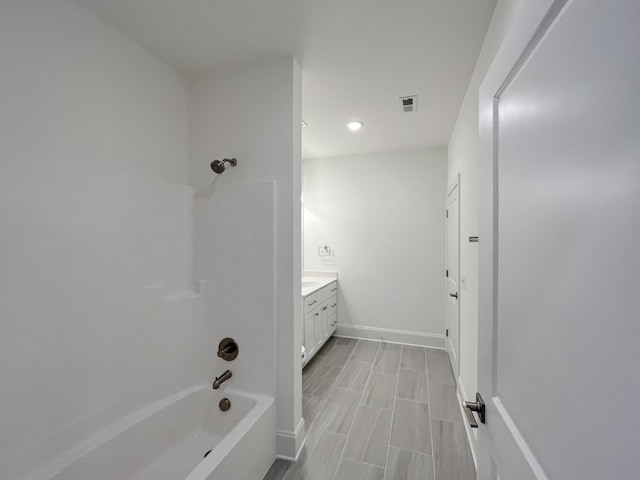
(461, 392)
(290, 444)
(455, 184)
(392, 336)
(531, 459)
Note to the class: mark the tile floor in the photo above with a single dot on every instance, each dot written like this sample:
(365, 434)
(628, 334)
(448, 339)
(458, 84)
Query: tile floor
(381, 411)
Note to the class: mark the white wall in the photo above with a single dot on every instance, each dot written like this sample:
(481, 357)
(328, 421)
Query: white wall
(74, 88)
(93, 149)
(462, 158)
(251, 215)
(383, 217)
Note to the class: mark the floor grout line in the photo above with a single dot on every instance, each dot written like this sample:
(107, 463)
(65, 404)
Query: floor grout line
(433, 447)
(324, 404)
(333, 387)
(442, 383)
(356, 412)
(393, 414)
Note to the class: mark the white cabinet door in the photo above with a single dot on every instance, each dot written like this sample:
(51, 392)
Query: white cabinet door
(309, 334)
(320, 323)
(559, 334)
(325, 321)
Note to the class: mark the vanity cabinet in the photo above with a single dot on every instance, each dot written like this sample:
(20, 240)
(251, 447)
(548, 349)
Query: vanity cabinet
(333, 315)
(320, 318)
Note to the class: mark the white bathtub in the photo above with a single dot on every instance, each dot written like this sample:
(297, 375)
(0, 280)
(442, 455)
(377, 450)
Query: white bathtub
(168, 440)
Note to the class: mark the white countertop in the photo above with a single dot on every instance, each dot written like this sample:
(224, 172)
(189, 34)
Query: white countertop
(313, 284)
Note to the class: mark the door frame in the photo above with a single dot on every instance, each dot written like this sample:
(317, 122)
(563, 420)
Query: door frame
(456, 368)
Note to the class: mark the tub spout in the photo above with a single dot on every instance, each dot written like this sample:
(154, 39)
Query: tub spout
(221, 379)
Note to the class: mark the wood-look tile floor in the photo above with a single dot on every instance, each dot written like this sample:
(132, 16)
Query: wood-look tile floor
(381, 411)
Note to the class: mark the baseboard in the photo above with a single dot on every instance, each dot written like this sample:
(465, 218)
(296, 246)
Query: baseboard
(393, 336)
(471, 436)
(290, 444)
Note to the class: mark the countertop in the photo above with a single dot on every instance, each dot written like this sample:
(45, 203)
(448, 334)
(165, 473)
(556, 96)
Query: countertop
(314, 284)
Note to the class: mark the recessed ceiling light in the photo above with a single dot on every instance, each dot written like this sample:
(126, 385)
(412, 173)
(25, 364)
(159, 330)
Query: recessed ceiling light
(355, 126)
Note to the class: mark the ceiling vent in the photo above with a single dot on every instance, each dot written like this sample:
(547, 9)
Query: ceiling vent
(410, 103)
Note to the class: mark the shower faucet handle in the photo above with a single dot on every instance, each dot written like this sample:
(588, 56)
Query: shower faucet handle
(228, 349)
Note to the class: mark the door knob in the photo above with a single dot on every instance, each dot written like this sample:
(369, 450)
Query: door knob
(454, 295)
(477, 406)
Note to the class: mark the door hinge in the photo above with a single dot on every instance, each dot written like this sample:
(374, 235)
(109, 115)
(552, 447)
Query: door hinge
(447, 213)
(446, 332)
(446, 273)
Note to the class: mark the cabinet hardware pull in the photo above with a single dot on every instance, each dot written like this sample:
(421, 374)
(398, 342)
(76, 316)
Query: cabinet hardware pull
(334, 305)
(315, 301)
(324, 308)
(334, 289)
(315, 314)
(334, 323)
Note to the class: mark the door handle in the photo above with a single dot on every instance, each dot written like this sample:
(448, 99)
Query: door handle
(470, 418)
(454, 295)
(477, 406)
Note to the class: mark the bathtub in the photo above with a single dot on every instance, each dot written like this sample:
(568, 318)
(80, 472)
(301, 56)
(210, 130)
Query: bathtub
(168, 441)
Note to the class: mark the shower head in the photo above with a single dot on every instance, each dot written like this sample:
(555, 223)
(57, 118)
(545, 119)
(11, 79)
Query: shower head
(218, 165)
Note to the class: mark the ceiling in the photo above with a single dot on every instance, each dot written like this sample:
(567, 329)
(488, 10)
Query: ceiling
(358, 57)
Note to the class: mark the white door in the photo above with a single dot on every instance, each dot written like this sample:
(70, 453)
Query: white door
(453, 274)
(559, 331)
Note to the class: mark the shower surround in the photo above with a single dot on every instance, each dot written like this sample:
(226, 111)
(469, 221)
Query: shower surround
(124, 266)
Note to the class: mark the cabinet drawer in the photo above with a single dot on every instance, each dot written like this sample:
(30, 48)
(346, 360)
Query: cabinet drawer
(333, 305)
(333, 323)
(312, 301)
(316, 298)
(325, 293)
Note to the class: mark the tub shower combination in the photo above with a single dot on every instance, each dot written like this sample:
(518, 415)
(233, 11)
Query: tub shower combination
(196, 434)
(205, 432)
